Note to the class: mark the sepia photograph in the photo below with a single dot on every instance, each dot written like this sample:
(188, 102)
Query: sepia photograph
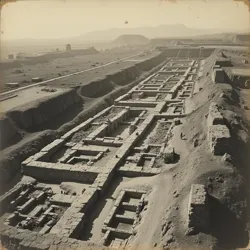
(125, 124)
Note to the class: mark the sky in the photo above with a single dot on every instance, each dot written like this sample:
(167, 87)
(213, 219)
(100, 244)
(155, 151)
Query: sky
(68, 18)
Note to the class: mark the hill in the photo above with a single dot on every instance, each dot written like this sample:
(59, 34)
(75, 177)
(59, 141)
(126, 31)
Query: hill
(131, 40)
(175, 30)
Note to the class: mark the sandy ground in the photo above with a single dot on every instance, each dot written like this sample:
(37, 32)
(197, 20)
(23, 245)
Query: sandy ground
(63, 66)
(26, 96)
(47, 71)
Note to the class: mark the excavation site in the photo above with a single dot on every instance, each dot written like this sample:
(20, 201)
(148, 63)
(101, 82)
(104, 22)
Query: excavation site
(148, 149)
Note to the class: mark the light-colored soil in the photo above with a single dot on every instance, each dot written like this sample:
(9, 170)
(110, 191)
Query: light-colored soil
(64, 66)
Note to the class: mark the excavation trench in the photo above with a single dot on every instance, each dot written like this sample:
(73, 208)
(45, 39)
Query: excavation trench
(97, 183)
(61, 113)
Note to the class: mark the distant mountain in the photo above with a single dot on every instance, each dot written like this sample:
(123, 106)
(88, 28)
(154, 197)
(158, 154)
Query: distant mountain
(175, 30)
(103, 39)
(131, 40)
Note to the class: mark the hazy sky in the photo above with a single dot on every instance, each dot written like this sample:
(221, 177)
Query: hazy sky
(65, 18)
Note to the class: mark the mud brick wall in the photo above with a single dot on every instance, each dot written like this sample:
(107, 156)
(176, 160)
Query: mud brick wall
(198, 208)
(219, 137)
(44, 171)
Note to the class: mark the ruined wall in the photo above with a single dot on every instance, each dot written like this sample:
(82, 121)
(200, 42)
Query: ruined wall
(219, 136)
(219, 139)
(46, 173)
(198, 209)
(37, 113)
(214, 115)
